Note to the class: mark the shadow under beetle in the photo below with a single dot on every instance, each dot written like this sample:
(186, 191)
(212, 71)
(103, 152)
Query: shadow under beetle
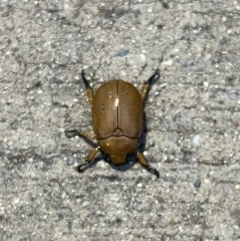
(117, 112)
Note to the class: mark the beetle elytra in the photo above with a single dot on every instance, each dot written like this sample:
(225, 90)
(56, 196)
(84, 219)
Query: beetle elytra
(117, 112)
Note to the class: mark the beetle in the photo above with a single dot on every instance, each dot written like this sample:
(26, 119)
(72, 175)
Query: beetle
(118, 113)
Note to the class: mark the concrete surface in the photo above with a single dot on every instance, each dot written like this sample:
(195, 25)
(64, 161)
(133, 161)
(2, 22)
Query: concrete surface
(193, 120)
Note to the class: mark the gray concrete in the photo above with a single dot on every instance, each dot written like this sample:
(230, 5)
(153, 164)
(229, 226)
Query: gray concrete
(193, 120)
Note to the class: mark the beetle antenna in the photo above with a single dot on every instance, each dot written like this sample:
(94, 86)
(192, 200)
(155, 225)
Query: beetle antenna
(154, 77)
(86, 82)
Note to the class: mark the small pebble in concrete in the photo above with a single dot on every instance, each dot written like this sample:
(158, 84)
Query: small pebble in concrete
(197, 183)
(70, 161)
(196, 140)
(190, 63)
(121, 53)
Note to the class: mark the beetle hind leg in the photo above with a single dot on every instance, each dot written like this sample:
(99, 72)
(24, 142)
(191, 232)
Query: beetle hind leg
(147, 84)
(90, 159)
(88, 87)
(145, 164)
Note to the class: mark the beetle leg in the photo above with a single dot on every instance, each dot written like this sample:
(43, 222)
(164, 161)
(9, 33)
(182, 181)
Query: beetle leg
(147, 84)
(142, 159)
(89, 89)
(93, 154)
(86, 135)
(73, 133)
(90, 158)
(88, 138)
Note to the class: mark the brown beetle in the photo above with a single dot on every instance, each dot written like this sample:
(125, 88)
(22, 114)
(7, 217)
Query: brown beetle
(117, 111)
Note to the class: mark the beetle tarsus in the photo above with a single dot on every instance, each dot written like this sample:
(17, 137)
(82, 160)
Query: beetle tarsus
(86, 82)
(72, 133)
(154, 77)
(153, 171)
(143, 161)
(83, 167)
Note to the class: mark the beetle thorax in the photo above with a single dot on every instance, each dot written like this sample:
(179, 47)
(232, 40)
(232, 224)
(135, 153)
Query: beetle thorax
(118, 145)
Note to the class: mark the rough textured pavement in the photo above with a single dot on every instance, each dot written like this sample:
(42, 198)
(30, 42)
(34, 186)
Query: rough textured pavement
(192, 117)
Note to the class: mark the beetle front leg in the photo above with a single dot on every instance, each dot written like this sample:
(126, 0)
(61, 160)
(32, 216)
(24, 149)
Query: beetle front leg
(147, 84)
(90, 159)
(88, 87)
(144, 163)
